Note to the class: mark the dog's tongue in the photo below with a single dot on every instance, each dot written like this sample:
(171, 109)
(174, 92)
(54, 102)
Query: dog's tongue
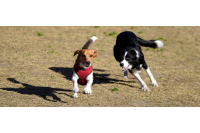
(124, 68)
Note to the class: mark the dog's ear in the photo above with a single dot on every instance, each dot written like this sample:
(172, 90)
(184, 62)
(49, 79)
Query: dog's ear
(95, 54)
(77, 51)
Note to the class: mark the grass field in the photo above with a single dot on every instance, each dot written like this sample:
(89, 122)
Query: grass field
(36, 66)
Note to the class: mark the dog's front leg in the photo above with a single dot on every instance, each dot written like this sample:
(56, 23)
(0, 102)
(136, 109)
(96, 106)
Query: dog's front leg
(75, 84)
(125, 74)
(89, 80)
(143, 85)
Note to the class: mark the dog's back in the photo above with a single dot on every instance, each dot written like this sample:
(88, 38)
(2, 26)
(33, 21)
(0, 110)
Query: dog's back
(126, 38)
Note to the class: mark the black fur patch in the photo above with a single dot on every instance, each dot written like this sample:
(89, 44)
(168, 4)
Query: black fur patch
(128, 42)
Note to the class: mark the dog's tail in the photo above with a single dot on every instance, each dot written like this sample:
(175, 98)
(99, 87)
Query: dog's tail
(150, 43)
(89, 42)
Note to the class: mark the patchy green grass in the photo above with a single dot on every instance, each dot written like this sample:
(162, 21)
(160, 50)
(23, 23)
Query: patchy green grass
(110, 34)
(148, 49)
(140, 32)
(22, 87)
(146, 96)
(15, 41)
(40, 34)
(102, 50)
(115, 89)
(132, 27)
(52, 52)
(60, 34)
(161, 38)
(88, 32)
(105, 66)
(29, 54)
(52, 77)
(97, 44)
(161, 50)
(88, 37)
(21, 73)
(50, 46)
(97, 26)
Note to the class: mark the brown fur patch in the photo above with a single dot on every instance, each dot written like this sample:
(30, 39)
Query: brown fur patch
(85, 55)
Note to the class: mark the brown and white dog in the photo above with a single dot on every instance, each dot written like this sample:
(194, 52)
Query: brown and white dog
(82, 70)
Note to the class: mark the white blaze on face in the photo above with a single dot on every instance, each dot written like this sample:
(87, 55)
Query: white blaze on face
(125, 63)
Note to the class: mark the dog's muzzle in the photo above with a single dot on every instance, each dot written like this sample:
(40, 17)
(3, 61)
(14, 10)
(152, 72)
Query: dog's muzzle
(123, 67)
(87, 64)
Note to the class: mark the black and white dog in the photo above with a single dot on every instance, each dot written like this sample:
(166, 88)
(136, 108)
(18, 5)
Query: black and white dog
(128, 52)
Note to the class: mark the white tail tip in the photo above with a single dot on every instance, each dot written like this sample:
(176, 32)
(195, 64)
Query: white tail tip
(159, 43)
(93, 38)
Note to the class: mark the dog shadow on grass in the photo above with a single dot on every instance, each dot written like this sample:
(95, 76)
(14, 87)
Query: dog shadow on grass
(99, 78)
(43, 92)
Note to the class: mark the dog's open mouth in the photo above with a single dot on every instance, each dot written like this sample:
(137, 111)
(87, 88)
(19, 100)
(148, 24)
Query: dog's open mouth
(125, 68)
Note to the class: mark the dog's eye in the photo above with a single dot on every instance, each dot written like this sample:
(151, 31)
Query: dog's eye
(91, 55)
(83, 55)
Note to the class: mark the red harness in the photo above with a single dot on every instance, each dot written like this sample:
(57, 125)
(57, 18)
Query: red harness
(82, 73)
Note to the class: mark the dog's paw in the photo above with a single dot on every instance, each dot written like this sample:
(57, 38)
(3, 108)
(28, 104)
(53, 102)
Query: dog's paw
(87, 90)
(145, 88)
(154, 83)
(125, 77)
(75, 95)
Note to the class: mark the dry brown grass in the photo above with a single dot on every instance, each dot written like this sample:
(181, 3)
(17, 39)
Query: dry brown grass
(36, 70)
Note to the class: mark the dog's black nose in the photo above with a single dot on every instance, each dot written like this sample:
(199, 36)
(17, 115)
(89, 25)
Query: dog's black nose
(121, 64)
(87, 63)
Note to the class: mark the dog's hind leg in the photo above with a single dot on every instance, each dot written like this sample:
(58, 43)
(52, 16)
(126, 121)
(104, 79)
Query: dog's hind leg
(153, 81)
